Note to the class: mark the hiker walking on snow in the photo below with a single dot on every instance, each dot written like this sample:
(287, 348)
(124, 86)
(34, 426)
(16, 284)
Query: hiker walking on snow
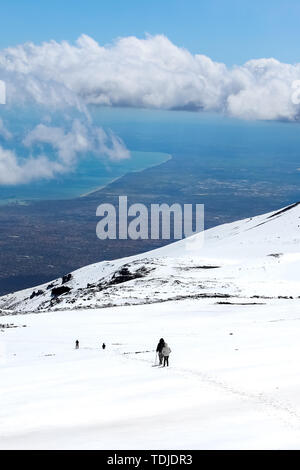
(159, 350)
(166, 352)
(77, 344)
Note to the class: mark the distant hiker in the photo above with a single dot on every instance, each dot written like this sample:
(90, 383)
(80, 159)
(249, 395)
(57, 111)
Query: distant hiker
(159, 350)
(103, 346)
(166, 352)
(77, 344)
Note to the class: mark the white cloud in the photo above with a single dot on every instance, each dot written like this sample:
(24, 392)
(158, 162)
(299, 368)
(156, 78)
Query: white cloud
(68, 146)
(17, 171)
(80, 139)
(150, 72)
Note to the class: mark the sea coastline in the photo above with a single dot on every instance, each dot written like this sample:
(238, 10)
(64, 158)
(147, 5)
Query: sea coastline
(25, 200)
(89, 193)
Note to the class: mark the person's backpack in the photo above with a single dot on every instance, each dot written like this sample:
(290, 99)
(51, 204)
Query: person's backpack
(166, 350)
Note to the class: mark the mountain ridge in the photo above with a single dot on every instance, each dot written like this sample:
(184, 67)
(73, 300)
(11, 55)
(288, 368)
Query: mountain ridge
(254, 257)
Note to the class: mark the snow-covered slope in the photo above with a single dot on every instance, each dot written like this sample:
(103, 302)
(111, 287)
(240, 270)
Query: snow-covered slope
(255, 257)
(233, 380)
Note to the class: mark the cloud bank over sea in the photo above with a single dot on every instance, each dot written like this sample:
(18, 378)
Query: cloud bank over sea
(150, 73)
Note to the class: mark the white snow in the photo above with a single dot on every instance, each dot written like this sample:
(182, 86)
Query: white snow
(233, 380)
(221, 391)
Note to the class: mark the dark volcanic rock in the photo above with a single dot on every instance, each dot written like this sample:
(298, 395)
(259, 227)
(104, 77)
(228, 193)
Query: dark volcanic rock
(66, 278)
(57, 291)
(124, 275)
(36, 294)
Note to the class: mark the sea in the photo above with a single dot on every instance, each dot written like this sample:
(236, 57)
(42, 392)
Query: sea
(266, 151)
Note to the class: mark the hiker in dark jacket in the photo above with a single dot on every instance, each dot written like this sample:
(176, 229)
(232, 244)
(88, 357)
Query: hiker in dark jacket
(159, 350)
(77, 344)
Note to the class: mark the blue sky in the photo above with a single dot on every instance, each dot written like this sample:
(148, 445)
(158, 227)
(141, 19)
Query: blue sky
(231, 31)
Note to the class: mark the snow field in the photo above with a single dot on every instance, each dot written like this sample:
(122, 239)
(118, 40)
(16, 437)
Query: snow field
(222, 390)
